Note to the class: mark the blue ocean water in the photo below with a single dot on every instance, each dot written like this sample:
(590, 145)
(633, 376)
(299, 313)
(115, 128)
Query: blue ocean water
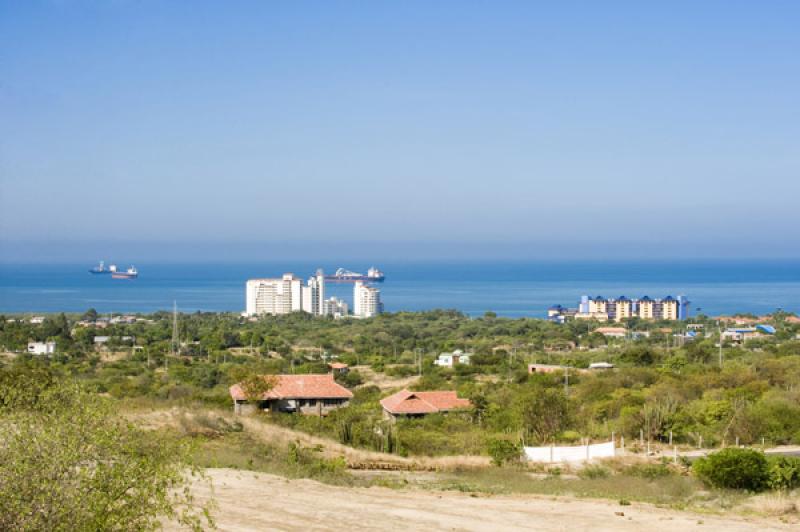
(508, 288)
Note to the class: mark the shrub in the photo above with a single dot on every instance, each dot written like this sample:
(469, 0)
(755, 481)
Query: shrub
(70, 463)
(503, 451)
(648, 471)
(592, 471)
(734, 468)
(784, 473)
(570, 436)
(351, 379)
(312, 462)
(400, 370)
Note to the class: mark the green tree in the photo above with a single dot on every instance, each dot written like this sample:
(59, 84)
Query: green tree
(544, 414)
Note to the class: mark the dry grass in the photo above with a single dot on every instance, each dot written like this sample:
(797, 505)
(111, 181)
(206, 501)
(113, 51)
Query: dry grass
(384, 382)
(775, 505)
(191, 420)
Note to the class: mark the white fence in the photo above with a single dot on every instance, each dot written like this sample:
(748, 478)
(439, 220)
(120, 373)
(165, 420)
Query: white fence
(570, 454)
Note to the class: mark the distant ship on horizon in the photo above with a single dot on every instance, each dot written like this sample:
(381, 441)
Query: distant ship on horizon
(130, 273)
(116, 273)
(374, 275)
(101, 268)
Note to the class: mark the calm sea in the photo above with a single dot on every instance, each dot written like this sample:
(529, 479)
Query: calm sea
(507, 288)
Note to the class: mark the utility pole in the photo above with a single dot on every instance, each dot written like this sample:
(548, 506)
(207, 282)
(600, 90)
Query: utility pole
(175, 338)
(174, 327)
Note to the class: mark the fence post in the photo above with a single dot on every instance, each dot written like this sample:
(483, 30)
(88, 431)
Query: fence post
(551, 453)
(737, 441)
(670, 437)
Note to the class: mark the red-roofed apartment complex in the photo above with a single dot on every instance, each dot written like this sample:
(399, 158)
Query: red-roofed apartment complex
(418, 404)
(307, 394)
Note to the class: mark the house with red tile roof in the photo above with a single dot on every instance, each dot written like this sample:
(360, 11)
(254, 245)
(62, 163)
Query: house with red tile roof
(612, 332)
(305, 394)
(339, 367)
(417, 404)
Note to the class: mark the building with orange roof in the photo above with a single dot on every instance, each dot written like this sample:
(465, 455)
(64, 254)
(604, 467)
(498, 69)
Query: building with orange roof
(612, 332)
(417, 404)
(339, 368)
(305, 394)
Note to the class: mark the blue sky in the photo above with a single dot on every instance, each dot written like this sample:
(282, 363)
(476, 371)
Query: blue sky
(452, 129)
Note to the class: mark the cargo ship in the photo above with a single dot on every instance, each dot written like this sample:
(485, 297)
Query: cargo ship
(101, 268)
(374, 275)
(130, 273)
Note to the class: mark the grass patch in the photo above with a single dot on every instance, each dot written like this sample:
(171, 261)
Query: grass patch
(671, 490)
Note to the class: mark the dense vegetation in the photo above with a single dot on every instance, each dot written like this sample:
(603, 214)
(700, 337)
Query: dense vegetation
(748, 469)
(663, 384)
(68, 462)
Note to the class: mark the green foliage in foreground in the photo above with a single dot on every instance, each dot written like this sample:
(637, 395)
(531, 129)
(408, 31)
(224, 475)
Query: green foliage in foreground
(67, 462)
(784, 473)
(734, 468)
(504, 451)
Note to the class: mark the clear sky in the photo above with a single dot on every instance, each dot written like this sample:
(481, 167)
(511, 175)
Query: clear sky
(526, 129)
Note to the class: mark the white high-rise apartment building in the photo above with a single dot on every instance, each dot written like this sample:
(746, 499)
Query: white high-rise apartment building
(366, 301)
(335, 307)
(285, 295)
(314, 295)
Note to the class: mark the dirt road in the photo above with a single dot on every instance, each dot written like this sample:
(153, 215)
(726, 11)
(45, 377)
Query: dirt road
(257, 501)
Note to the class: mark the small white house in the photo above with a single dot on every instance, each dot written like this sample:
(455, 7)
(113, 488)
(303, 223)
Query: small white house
(37, 320)
(601, 365)
(451, 359)
(41, 348)
(101, 340)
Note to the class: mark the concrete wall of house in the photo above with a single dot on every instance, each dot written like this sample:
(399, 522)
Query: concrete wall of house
(243, 407)
(321, 407)
(304, 406)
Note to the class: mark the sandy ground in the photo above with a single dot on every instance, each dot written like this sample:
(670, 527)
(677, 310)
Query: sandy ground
(256, 501)
(383, 381)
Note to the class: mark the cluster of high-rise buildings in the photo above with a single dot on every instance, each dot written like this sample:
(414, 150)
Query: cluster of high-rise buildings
(620, 308)
(288, 294)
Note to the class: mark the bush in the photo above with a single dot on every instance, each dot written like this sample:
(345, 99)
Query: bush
(400, 370)
(351, 379)
(734, 468)
(69, 462)
(592, 471)
(503, 451)
(648, 471)
(784, 473)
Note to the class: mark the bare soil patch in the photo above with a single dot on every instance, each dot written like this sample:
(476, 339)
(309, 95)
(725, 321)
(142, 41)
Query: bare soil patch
(257, 501)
